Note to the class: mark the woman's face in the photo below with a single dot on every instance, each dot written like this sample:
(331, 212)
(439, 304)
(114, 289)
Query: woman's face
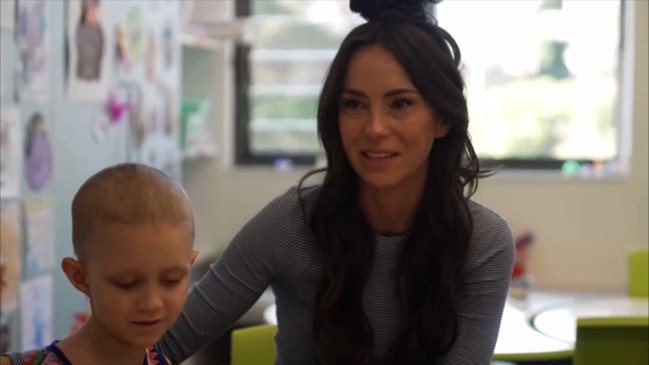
(387, 128)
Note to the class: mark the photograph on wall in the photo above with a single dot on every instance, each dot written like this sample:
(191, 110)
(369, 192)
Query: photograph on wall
(10, 255)
(11, 153)
(39, 235)
(38, 153)
(90, 49)
(36, 313)
(33, 40)
(7, 14)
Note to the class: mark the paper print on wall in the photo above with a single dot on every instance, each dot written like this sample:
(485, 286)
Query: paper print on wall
(79, 318)
(7, 14)
(154, 129)
(11, 153)
(89, 49)
(10, 255)
(36, 313)
(33, 49)
(135, 34)
(38, 153)
(39, 235)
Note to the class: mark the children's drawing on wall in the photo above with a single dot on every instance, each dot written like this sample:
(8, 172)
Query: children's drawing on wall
(10, 255)
(33, 50)
(122, 60)
(169, 45)
(38, 153)
(36, 312)
(89, 74)
(152, 57)
(135, 34)
(11, 152)
(79, 318)
(169, 110)
(7, 14)
(39, 228)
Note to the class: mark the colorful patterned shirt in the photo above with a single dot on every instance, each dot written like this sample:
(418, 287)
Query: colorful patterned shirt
(52, 355)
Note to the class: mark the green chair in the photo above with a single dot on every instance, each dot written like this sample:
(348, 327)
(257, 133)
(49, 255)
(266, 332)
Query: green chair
(254, 345)
(612, 341)
(639, 273)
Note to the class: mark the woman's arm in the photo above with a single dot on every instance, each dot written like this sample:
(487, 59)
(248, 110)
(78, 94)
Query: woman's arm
(15, 358)
(483, 300)
(234, 283)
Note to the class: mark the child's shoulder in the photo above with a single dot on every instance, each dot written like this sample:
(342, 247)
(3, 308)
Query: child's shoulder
(155, 356)
(45, 357)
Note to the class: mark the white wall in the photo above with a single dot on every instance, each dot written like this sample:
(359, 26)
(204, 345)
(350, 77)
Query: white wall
(583, 228)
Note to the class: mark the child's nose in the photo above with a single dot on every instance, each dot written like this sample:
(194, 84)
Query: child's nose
(150, 301)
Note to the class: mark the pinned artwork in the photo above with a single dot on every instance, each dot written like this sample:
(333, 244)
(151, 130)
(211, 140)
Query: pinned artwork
(11, 153)
(89, 71)
(33, 50)
(38, 153)
(135, 34)
(7, 14)
(39, 227)
(10, 255)
(36, 313)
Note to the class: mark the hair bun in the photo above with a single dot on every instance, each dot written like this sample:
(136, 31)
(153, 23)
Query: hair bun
(390, 9)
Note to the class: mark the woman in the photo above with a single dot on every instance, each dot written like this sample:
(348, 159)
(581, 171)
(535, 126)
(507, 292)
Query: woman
(387, 261)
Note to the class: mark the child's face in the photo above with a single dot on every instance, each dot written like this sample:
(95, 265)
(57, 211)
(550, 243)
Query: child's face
(138, 279)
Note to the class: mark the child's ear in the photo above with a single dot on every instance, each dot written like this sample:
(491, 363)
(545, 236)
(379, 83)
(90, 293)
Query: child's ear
(76, 274)
(194, 256)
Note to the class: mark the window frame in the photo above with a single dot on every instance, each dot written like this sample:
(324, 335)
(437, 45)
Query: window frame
(243, 155)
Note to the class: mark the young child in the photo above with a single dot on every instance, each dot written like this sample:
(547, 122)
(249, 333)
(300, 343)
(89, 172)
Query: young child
(133, 232)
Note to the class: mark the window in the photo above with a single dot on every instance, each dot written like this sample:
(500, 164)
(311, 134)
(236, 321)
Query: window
(542, 77)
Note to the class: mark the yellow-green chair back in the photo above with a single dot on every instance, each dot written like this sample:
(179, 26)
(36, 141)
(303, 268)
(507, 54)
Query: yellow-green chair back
(639, 273)
(603, 342)
(254, 345)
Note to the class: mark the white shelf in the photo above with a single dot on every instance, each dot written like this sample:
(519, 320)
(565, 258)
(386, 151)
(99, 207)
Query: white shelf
(200, 152)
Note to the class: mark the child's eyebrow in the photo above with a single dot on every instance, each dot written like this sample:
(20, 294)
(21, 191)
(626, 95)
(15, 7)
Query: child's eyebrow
(177, 268)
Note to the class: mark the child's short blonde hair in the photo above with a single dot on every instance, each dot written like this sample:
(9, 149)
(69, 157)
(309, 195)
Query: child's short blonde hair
(127, 193)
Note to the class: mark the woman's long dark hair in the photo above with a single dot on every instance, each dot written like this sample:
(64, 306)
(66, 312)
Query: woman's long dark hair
(430, 270)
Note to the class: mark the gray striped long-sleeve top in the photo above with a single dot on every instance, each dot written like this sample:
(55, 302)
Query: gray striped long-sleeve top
(275, 248)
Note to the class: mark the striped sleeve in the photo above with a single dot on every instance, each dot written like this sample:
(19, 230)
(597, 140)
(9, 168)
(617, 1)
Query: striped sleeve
(235, 282)
(483, 300)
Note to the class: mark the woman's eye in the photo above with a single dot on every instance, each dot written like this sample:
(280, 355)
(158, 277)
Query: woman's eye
(352, 104)
(401, 104)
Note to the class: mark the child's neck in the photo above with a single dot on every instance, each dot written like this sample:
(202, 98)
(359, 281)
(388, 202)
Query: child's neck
(92, 344)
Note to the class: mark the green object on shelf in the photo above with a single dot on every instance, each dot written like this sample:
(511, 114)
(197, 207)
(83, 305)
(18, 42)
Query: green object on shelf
(570, 168)
(193, 113)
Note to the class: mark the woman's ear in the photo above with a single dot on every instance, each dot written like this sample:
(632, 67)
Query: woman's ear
(441, 127)
(76, 274)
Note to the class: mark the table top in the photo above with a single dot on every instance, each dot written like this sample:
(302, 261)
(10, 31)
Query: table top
(517, 340)
(560, 321)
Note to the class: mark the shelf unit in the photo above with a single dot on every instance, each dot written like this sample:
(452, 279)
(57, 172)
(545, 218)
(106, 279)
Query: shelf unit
(209, 29)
